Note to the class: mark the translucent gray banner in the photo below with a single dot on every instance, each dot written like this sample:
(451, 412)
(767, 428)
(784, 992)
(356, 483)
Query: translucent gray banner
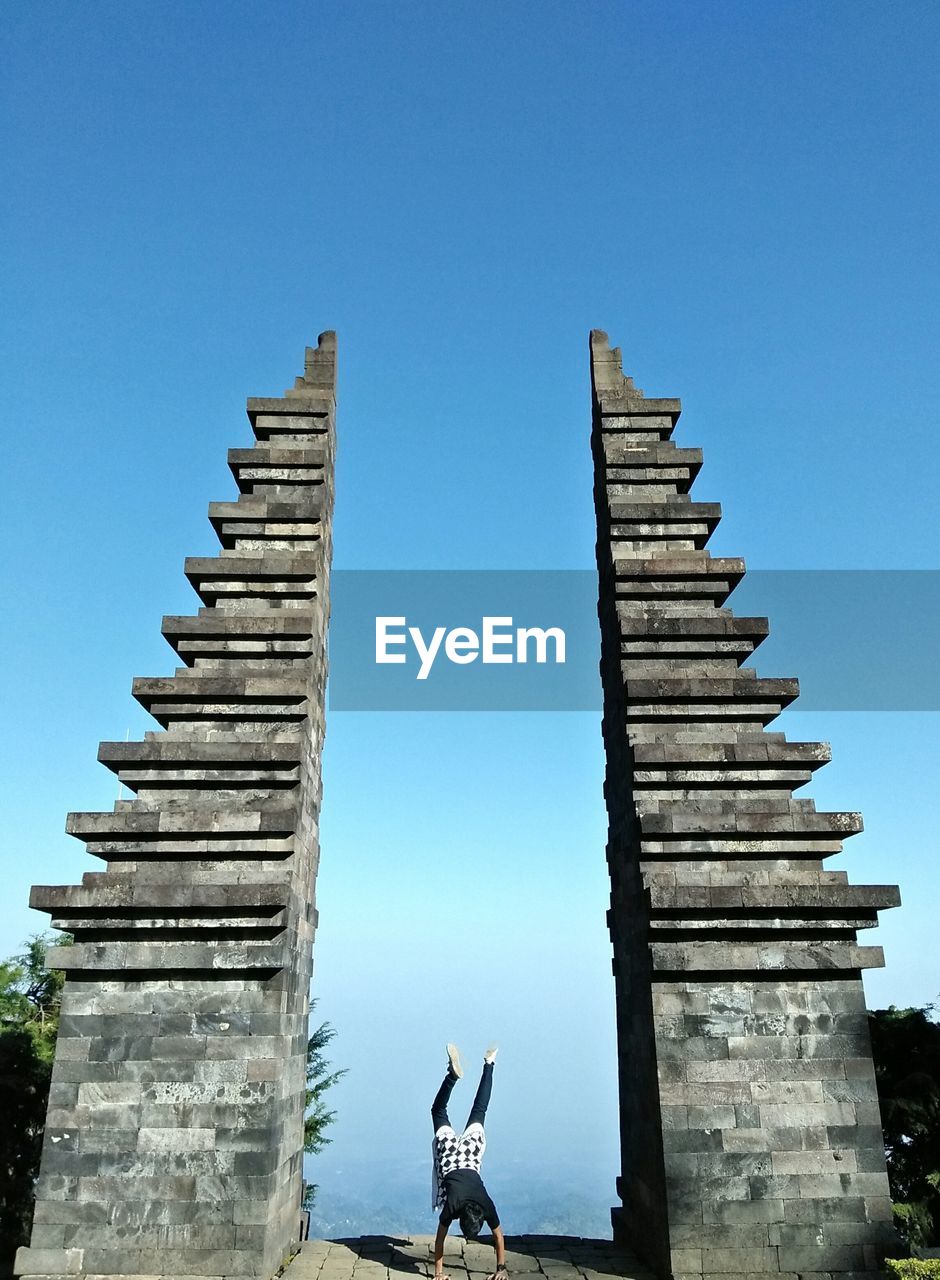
(527, 640)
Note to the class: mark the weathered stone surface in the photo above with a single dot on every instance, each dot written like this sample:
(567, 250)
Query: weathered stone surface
(749, 1117)
(534, 1257)
(174, 1130)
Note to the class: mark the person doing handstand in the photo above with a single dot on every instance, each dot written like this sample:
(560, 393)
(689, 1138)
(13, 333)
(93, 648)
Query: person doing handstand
(457, 1187)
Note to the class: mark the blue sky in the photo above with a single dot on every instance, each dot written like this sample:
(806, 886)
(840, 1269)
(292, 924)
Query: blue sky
(744, 195)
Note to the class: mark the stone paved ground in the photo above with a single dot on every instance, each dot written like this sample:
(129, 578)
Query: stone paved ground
(527, 1257)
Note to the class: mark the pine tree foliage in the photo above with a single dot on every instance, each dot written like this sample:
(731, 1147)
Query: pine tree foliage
(319, 1078)
(906, 1050)
(30, 998)
(317, 1115)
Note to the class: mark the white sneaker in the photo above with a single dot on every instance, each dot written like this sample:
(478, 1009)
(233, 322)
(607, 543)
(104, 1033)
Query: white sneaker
(453, 1058)
(490, 1055)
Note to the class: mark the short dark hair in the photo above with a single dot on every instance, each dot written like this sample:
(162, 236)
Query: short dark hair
(472, 1217)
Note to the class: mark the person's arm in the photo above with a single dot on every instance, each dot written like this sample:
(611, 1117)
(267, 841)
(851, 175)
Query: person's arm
(499, 1244)
(439, 1251)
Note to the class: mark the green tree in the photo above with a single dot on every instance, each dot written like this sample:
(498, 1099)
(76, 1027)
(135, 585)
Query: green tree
(30, 998)
(317, 1115)
(906, 1050)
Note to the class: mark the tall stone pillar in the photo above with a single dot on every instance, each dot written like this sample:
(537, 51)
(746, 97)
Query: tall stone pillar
(173, 1141)
(751, 1134)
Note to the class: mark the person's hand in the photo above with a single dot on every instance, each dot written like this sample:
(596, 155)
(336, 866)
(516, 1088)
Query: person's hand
(499, 1274)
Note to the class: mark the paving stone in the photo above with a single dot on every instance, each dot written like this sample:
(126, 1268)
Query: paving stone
(530, 1257)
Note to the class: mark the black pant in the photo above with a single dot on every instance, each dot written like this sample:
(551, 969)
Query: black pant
(480, 1102)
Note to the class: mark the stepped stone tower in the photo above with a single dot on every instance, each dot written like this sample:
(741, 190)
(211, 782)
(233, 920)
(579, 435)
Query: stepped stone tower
(751, 1134)
(174, 1135)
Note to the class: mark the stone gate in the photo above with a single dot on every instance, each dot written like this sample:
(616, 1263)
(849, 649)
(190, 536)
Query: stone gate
(750, 1129)
(174, 1135)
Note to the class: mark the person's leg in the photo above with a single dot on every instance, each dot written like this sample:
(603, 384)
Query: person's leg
(442, 1097)
(482, 1099)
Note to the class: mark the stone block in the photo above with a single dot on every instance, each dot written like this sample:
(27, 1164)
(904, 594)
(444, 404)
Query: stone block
(785, 1092)
(879, 1209)
(811, 1162)
(176, 1140)
(820, 1069)
(247, 1212)
(819, 1209)
(852, 1184)
(774, 1187)
(859, 1068)
(176, 1048)
(47, 1236)
(711, 1116)
(747, 1116)
(264, 1069)
(686, 1196)
(856, 1090)
(798, 1115)
(255, 1163)
(108, 1093)
(867, 1113)
(67, 1070)
(742, 1212)
(738, 1261)
(870, 1159)
(762, 1140)
(802, 1259)
(66, 1262)
(689, 1260)
(713, 1094)
(712, 1236)
(692, 1140)
(732, 1069)
(707, 1164)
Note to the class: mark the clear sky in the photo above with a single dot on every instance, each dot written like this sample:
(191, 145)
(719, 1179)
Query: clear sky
(744, 195)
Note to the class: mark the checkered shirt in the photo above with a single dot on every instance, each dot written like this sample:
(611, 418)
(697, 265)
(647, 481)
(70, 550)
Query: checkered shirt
(451, 1152)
